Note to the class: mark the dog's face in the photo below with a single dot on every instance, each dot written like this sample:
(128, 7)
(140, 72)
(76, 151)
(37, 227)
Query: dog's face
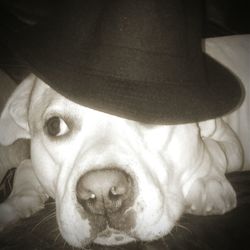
(113, 180)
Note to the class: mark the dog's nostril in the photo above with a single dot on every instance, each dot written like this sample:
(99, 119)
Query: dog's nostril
(116, 193)
(104, 191)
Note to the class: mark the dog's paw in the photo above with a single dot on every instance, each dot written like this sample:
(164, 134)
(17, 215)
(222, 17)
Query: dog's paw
(17, 208)
(8, 215)
(209, 196)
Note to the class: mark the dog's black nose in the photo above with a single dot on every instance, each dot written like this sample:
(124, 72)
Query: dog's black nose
(105, 191)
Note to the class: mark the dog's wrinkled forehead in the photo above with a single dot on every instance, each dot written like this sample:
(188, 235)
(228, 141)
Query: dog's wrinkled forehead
(43, 97)
(46, 102)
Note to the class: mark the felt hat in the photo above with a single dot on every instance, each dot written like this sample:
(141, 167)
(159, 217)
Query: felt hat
(138, 59)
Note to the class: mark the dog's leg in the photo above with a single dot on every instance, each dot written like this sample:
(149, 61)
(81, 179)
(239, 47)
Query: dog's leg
(209, 191)
(11, 156)
(222, 144)
(26, 198)
(211, 194)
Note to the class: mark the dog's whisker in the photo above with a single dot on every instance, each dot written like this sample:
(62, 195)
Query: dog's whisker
(64, 244)
(48, 217)
(57, 237)
(164, 241)
(171, 234)
(56, 229)
(178, 225)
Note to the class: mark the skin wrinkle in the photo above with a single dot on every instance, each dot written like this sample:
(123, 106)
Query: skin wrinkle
(66, 186)
(152, 175)
(223, 159)
(198, 163)
(168, 140)
(144, 163)
(170, 195)
(188, 177)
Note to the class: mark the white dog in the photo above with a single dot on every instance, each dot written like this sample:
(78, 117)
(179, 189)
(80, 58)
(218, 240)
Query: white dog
(115, 180)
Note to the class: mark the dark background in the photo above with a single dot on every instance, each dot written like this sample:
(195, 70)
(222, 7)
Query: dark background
(226, 17)
(223, 17)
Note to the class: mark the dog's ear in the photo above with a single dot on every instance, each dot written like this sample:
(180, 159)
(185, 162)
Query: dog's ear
(14, 117)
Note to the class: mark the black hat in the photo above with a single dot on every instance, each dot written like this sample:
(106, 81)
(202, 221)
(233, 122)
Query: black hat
(138, 59)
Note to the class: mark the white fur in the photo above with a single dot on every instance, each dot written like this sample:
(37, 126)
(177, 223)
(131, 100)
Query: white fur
(176, 169)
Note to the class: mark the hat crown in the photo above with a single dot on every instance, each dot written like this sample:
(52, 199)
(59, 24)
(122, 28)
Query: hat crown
(139, 59)
(144, 25)
(134, 40)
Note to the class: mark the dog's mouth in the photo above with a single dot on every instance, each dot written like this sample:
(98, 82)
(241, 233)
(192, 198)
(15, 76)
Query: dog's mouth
(111, 236)
(112, 229)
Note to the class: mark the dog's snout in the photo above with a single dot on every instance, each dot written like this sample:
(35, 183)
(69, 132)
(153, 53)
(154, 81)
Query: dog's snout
(105, 191)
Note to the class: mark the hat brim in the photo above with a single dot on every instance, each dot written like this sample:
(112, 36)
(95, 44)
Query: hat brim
(163, 103)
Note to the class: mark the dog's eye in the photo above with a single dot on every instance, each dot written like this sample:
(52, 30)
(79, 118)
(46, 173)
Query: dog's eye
(56, 126)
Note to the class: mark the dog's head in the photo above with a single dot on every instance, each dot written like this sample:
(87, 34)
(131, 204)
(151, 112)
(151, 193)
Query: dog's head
(114, 180)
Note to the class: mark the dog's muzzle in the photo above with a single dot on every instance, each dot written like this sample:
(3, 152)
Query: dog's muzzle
(106, 197)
